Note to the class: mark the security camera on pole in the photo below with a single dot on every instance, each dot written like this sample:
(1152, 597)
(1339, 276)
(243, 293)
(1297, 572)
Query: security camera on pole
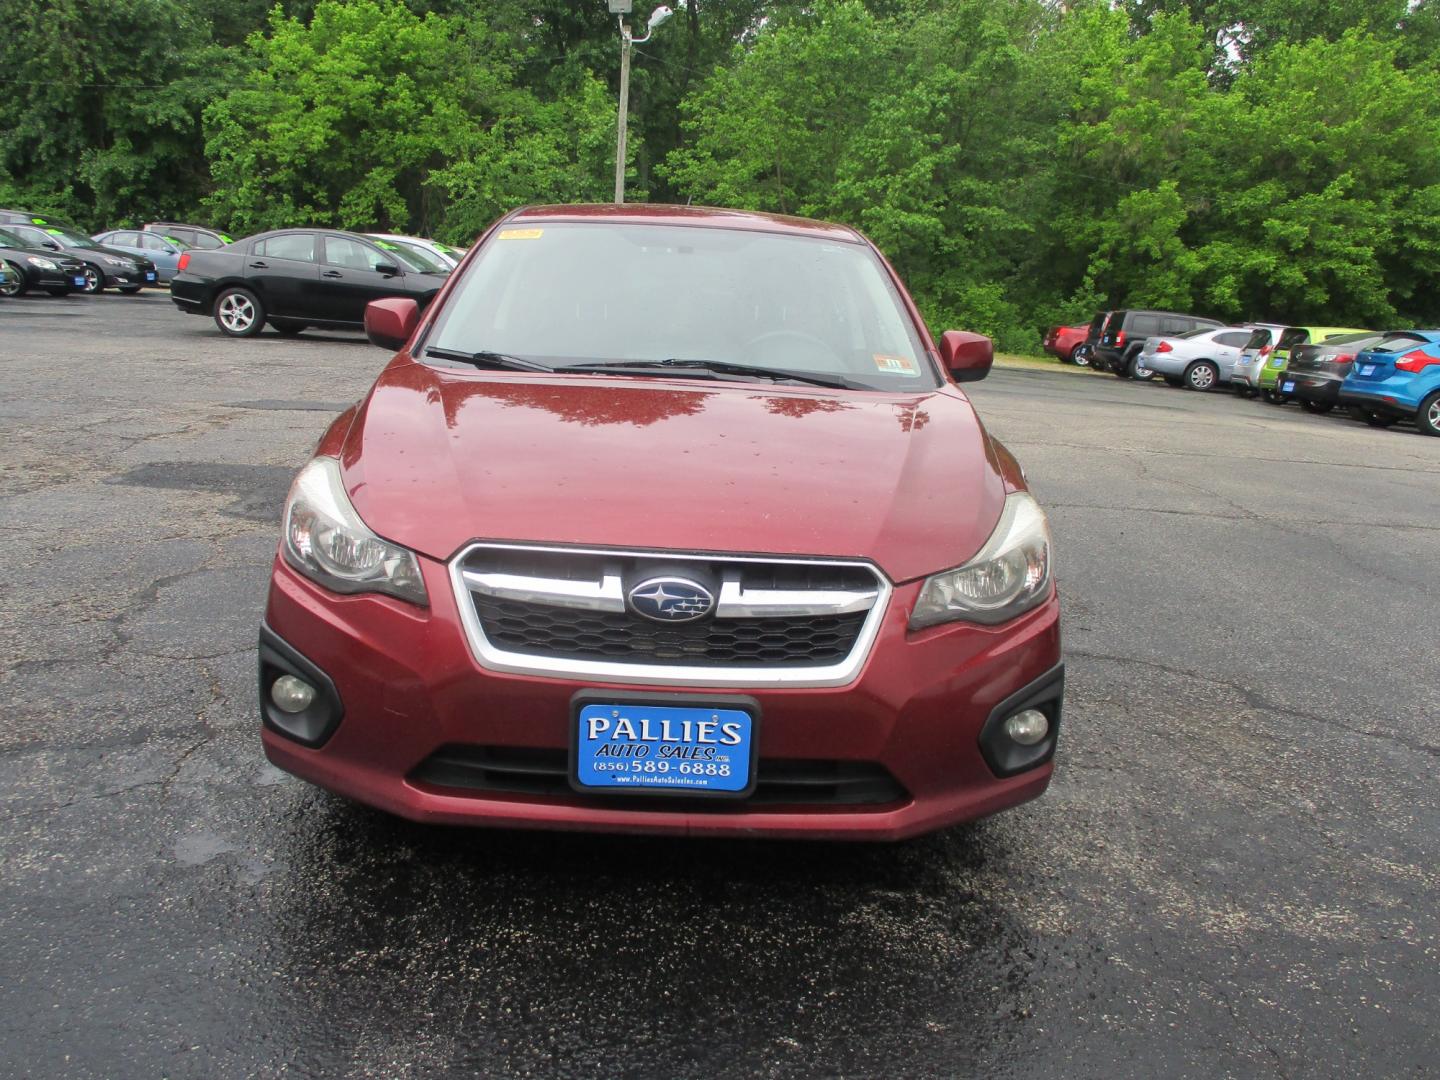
(621, 8)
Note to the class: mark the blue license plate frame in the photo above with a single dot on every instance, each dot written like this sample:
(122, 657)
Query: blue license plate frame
(637, 706)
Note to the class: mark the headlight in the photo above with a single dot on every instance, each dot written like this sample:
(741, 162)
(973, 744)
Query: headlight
(1010, 575)
(42, 262)
(327, 542)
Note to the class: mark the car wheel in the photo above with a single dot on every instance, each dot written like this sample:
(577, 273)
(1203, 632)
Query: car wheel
(238, 312)
(130, 290)
(289, 329)
(1273, 397)
(1319, 408)
(1201, 375)
(1138, 371)
(1080, 358)
(94, 281)
(1428, 418)
(16, 287)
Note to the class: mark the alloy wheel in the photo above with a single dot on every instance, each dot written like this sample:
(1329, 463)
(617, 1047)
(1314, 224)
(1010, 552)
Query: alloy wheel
(93, 281)
(12, 288)
(237, 313)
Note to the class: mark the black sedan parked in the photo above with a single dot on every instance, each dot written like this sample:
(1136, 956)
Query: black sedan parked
(37, 268)
(104, 267)
(1315, 372)
(296, 278)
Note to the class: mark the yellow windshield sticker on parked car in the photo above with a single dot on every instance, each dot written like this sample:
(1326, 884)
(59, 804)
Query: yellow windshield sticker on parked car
(521, 234)
(896, 365)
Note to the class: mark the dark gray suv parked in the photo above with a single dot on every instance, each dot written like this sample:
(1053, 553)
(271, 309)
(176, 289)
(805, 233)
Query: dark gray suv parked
(1116, 337)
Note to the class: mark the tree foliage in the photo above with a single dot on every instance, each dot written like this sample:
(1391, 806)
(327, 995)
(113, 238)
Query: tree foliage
(1021, 161)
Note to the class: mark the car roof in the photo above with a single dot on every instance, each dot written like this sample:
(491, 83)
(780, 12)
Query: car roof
(702, 216)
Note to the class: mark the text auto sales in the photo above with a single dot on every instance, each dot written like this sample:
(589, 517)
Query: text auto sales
(707, 734)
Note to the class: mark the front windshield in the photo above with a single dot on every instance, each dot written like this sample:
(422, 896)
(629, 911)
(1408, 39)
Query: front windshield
(66, 238)
(573, 293)
(413, 257)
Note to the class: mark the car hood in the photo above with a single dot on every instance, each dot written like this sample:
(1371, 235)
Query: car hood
(46, 253)
(436, 458)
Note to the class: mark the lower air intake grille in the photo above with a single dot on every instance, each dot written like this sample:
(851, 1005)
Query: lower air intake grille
(539, 771)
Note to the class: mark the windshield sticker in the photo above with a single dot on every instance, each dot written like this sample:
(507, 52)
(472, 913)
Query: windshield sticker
(56, 232)
(226, 238)
(386, 245)
(521, 234)
(896, 365)
(444, 247)
(38, 221)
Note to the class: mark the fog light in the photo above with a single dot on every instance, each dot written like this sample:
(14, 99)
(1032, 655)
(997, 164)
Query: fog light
(1026, 728)
(294, 695)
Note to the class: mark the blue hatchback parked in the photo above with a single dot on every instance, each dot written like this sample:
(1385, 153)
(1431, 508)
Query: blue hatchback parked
(1398, 379)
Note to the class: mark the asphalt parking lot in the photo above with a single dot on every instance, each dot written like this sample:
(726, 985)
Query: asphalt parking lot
(1233, 874)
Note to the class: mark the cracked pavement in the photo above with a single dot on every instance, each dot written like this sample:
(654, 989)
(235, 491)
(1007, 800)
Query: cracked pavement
(1233, 874)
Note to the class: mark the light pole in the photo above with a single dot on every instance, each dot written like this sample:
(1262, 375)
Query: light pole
(621, 8)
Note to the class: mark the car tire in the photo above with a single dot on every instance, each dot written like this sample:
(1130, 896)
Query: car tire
(1202, 375)
(1079, 357)
(1427, 418)
(289, 329)
(1319, 408)
(94, 281)
(1138, 371)
(18, 287)
(1273, 397)
(130, 290)
(239, 313)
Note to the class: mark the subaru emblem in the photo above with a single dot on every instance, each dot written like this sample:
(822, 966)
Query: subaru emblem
(671, 600)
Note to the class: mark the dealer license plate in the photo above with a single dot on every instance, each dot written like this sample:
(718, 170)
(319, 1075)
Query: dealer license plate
(1287, 387)
(80, 282)
(149, 275)
(631, 748)
(1367, 369)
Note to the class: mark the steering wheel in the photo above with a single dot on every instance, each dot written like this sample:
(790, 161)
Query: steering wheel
(815, 346)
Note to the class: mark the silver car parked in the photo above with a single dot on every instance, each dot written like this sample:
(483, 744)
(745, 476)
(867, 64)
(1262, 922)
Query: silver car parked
(1199, 360)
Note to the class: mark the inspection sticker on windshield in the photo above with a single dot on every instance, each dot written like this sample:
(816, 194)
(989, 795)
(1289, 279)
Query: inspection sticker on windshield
(521, 234)
(896, 365)
(644, 749)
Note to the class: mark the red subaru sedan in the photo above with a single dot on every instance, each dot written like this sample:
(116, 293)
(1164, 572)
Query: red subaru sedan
(666, 520)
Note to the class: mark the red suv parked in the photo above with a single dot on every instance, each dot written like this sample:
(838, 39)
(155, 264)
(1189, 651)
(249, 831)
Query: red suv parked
(671, 520)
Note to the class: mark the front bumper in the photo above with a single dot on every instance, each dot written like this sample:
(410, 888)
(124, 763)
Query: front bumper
(128, 279)
(407, 685)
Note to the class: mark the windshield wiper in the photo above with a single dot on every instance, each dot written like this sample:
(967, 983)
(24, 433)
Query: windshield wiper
(713, 368)
(487, 359)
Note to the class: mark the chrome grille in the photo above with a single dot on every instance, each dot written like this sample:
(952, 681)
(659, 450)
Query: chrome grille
(564, 612)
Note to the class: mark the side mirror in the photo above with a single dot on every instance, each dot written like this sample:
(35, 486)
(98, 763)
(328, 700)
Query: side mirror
(388, 269)
(52, 245)
(966, 356)
(390, 322)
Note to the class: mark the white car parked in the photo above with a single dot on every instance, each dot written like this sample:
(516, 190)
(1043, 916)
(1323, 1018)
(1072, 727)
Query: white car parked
(1199, 360)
